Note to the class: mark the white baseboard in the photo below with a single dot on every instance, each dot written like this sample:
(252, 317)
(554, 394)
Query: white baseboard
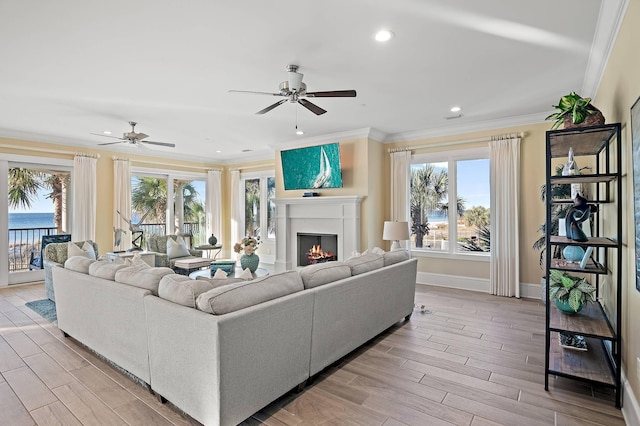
(473, 284)
(453, 281)
(630, 406)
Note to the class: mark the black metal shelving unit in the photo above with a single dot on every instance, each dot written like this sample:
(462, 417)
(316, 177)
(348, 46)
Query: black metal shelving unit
(600, 147)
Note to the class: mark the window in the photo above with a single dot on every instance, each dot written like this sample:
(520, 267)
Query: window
(436, 219)
(186, 214)
(258, 191)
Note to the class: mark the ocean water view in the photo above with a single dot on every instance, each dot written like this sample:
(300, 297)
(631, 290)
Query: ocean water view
(30, 220)
(24, 228)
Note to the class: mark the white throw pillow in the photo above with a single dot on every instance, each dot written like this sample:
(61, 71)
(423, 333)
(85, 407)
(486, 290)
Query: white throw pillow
(220, 274)
(86, 250)
(177, 248)
(246, 275)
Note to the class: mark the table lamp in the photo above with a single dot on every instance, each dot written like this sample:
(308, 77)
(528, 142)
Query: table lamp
(395, 231)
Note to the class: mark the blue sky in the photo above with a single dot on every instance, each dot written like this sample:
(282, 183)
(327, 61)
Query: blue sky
(40, 205)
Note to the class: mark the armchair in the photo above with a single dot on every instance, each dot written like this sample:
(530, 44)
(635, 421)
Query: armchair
(55, 254)
(36, 262)
(158, 244)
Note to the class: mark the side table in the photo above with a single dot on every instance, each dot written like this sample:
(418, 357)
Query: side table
(208, 248)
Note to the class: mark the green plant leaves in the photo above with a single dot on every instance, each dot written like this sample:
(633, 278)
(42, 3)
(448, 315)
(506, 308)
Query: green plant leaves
(571, 105)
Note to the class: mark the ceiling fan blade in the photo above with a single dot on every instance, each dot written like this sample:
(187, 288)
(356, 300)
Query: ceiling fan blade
(111, 143)
(140, 136)
(333, 94)
(311, 107)
(249, 92)
(105, 136)
(270, 107)
(170, 145)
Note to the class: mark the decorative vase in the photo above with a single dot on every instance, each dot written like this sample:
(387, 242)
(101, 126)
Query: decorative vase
(595, 119)
(213, 240)
(564, 307)
(249, 261)
(573, 253)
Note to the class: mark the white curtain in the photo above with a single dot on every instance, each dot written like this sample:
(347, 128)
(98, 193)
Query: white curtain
(505, 262)
(84, 198)
(214, 204)
(235, 207)
(400, 162)
(121, 203)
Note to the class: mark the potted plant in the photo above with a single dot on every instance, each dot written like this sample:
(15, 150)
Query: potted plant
(575, 111)
(569, 292)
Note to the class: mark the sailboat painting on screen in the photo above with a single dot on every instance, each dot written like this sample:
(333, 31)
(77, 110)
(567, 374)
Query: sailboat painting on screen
(313, 167)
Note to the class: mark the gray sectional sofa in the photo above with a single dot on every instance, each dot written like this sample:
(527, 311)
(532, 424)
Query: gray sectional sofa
(221, 351)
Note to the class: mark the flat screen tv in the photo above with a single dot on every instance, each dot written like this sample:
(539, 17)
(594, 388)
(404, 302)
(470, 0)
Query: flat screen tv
(312, 167)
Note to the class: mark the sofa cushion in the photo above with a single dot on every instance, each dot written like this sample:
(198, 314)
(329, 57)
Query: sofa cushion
(395, 256)
(79, 264)
(365, 263)
(232, 297)
(105, 269)
(323, 273)
(85, 251)
(143, 276)
(177, 248)
(182, 290)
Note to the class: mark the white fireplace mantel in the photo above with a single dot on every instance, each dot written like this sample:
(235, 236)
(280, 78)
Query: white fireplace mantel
(317, 215)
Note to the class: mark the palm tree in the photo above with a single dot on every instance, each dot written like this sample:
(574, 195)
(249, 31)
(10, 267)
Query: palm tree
(150, 194)
(428, 189)
(252, 207)
(24, 185)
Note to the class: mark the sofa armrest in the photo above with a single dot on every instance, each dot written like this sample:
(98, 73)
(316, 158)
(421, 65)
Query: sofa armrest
(196, 253)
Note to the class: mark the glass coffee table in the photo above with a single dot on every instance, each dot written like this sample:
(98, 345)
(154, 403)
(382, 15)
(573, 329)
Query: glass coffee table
(260, 272)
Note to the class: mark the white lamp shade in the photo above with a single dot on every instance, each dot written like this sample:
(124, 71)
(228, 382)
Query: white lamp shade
(395, 231)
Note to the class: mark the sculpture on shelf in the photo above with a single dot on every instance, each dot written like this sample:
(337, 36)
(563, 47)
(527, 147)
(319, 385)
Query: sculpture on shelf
(136, 231)
(578, 213)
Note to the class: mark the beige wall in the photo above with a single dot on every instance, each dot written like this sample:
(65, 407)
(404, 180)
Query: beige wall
(619, 89)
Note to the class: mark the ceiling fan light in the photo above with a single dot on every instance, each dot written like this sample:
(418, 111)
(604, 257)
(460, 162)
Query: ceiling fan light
(295, 80)
(383, 35)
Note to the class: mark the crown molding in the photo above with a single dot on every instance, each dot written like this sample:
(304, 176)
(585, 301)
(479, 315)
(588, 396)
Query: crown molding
(521, 120)
(609, 22)
(367, 132)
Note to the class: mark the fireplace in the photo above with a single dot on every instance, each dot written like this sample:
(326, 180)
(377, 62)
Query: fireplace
(325, 215)
(317, 248)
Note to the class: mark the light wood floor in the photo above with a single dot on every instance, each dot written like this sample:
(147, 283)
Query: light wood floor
(474, 359)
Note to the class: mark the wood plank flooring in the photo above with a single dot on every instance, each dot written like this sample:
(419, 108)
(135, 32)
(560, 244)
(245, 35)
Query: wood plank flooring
(473, 359)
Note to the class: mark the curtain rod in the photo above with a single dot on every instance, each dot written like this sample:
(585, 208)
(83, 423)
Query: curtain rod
(462, 142)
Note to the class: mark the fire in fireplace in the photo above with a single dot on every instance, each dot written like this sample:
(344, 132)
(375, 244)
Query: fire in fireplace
(317, 255)
(317, 248)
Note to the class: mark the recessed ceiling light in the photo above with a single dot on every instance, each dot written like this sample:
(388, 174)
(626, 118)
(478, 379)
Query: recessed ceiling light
(383, 35)
(456, 109)
(299, 132)
(218, 151)
(106, 132)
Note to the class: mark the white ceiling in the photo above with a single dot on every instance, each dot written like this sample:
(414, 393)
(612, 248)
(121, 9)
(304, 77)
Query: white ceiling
(71, 67)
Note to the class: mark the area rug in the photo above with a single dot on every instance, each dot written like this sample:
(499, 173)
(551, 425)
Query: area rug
(45, 308)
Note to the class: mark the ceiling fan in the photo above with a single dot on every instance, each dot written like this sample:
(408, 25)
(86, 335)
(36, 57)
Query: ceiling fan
(133, 138)
(295, 91)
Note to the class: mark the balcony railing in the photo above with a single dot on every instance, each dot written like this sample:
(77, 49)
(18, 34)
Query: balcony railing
(24, 241)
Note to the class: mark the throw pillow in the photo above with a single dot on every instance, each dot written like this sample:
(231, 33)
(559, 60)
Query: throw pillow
(177, 248)
(246, 274)
(220, 274)
(86, 250)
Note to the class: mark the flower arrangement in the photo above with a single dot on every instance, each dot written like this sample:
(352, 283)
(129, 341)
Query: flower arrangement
(248, 245)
